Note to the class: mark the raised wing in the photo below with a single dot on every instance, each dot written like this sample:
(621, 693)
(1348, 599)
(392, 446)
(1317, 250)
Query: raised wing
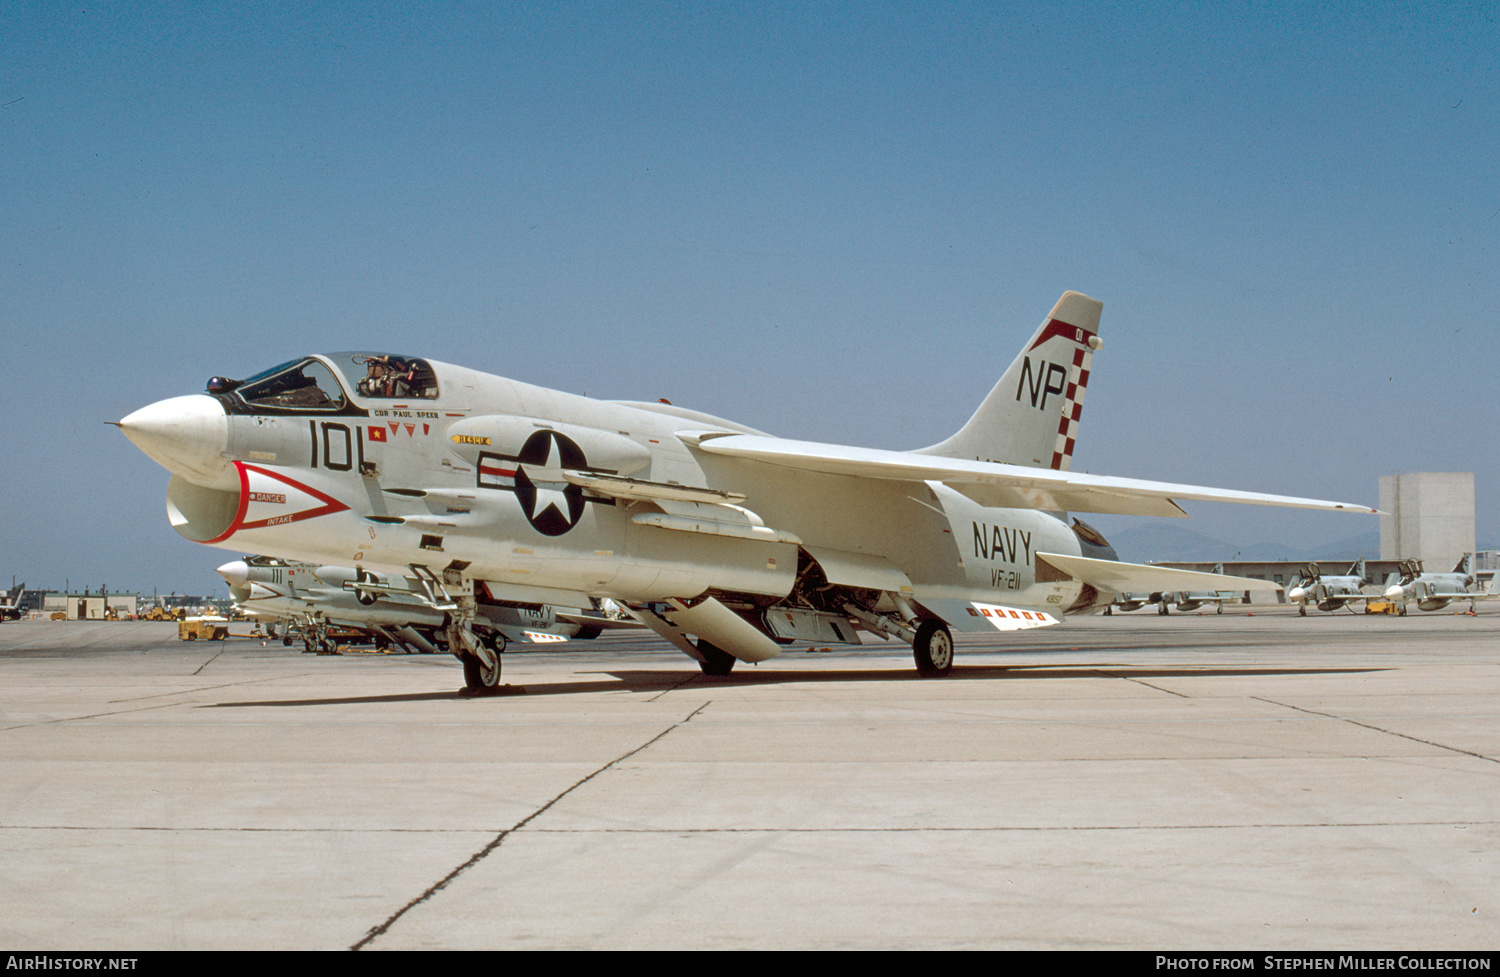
(993, 484)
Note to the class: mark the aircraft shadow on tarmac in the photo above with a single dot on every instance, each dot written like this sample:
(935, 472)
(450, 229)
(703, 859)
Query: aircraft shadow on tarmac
(643, 680)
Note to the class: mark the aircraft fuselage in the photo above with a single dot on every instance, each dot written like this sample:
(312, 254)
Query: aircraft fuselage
(469, 474)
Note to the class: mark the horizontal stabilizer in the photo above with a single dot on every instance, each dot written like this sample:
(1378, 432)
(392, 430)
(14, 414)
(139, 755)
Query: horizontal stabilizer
(1134, 578)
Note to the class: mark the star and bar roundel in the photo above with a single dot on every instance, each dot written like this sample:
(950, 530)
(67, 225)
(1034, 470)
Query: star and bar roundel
(552, 507)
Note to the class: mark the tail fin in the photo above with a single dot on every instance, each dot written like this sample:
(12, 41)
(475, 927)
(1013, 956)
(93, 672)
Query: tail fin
(1031, 416)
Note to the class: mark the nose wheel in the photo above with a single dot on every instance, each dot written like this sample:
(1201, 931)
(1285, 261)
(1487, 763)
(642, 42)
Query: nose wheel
(480, 677)
(479, 657)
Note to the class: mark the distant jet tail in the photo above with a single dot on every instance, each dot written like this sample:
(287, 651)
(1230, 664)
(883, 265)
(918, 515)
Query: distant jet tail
(1031, 416)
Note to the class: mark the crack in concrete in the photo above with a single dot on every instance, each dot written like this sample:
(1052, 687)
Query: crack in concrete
(1377, 729)
(499, 839)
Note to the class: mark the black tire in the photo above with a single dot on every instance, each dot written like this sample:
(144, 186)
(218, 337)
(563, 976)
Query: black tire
(933, 649)
(287, 640)
(716, 661)
(479, 680)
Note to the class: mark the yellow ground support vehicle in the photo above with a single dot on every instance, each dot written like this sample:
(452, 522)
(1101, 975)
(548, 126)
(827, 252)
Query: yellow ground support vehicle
(207, 628)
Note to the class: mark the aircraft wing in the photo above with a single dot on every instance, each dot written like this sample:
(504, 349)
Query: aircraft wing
(1124, 578)
(995, 484)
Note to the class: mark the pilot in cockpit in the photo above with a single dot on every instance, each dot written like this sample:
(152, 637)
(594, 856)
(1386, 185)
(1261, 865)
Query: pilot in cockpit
(388, 376)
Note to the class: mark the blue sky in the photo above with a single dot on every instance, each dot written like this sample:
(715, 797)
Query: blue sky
(830, 221)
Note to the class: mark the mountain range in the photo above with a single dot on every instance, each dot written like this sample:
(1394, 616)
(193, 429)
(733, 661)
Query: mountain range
(1159, 543)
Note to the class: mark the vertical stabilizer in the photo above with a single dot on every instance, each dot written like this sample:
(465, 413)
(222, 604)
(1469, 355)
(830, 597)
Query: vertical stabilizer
(1031, 416)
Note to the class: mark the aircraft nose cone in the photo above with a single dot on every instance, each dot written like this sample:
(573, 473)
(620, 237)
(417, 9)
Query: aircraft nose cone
(237, 573)
(1394, 593)
(185, 435)
(1297, 595)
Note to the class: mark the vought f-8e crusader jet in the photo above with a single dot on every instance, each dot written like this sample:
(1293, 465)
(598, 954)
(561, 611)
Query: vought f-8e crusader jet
(727, 542)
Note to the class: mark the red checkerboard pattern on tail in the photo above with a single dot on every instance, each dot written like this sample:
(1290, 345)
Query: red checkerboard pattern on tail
(1030, 417)
(1067, 428)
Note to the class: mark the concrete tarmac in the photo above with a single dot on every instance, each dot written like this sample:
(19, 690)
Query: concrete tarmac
(1129, 782)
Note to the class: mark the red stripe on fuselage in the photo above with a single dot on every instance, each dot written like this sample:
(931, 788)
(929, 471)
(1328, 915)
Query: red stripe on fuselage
(330, 504)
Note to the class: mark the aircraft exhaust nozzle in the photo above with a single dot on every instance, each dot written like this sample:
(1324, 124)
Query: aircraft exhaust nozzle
(185, 435)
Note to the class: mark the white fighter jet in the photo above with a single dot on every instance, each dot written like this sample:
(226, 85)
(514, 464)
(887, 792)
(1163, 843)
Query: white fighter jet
(1187, 601)
(1435, 591)
(1327, 592)
(10, 603)
(1183, 600)
(1127, 602)
(727, 542)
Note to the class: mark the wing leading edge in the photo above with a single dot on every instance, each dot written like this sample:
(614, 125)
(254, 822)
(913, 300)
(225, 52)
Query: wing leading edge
(995, 484)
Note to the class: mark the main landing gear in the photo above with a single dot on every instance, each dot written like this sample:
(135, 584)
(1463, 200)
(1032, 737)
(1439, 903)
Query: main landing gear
(933, 649)
(931, 641)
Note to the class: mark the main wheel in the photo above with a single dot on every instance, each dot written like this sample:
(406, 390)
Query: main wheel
(716, 661)
(933, 649)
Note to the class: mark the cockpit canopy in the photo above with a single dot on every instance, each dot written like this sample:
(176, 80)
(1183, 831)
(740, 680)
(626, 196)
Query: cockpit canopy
(388, 375)
(310, 385)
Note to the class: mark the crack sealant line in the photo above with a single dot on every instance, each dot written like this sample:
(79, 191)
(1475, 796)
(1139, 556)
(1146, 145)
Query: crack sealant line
(499, 839)
(687, 681)
(1127, 678)
(1388, 732)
